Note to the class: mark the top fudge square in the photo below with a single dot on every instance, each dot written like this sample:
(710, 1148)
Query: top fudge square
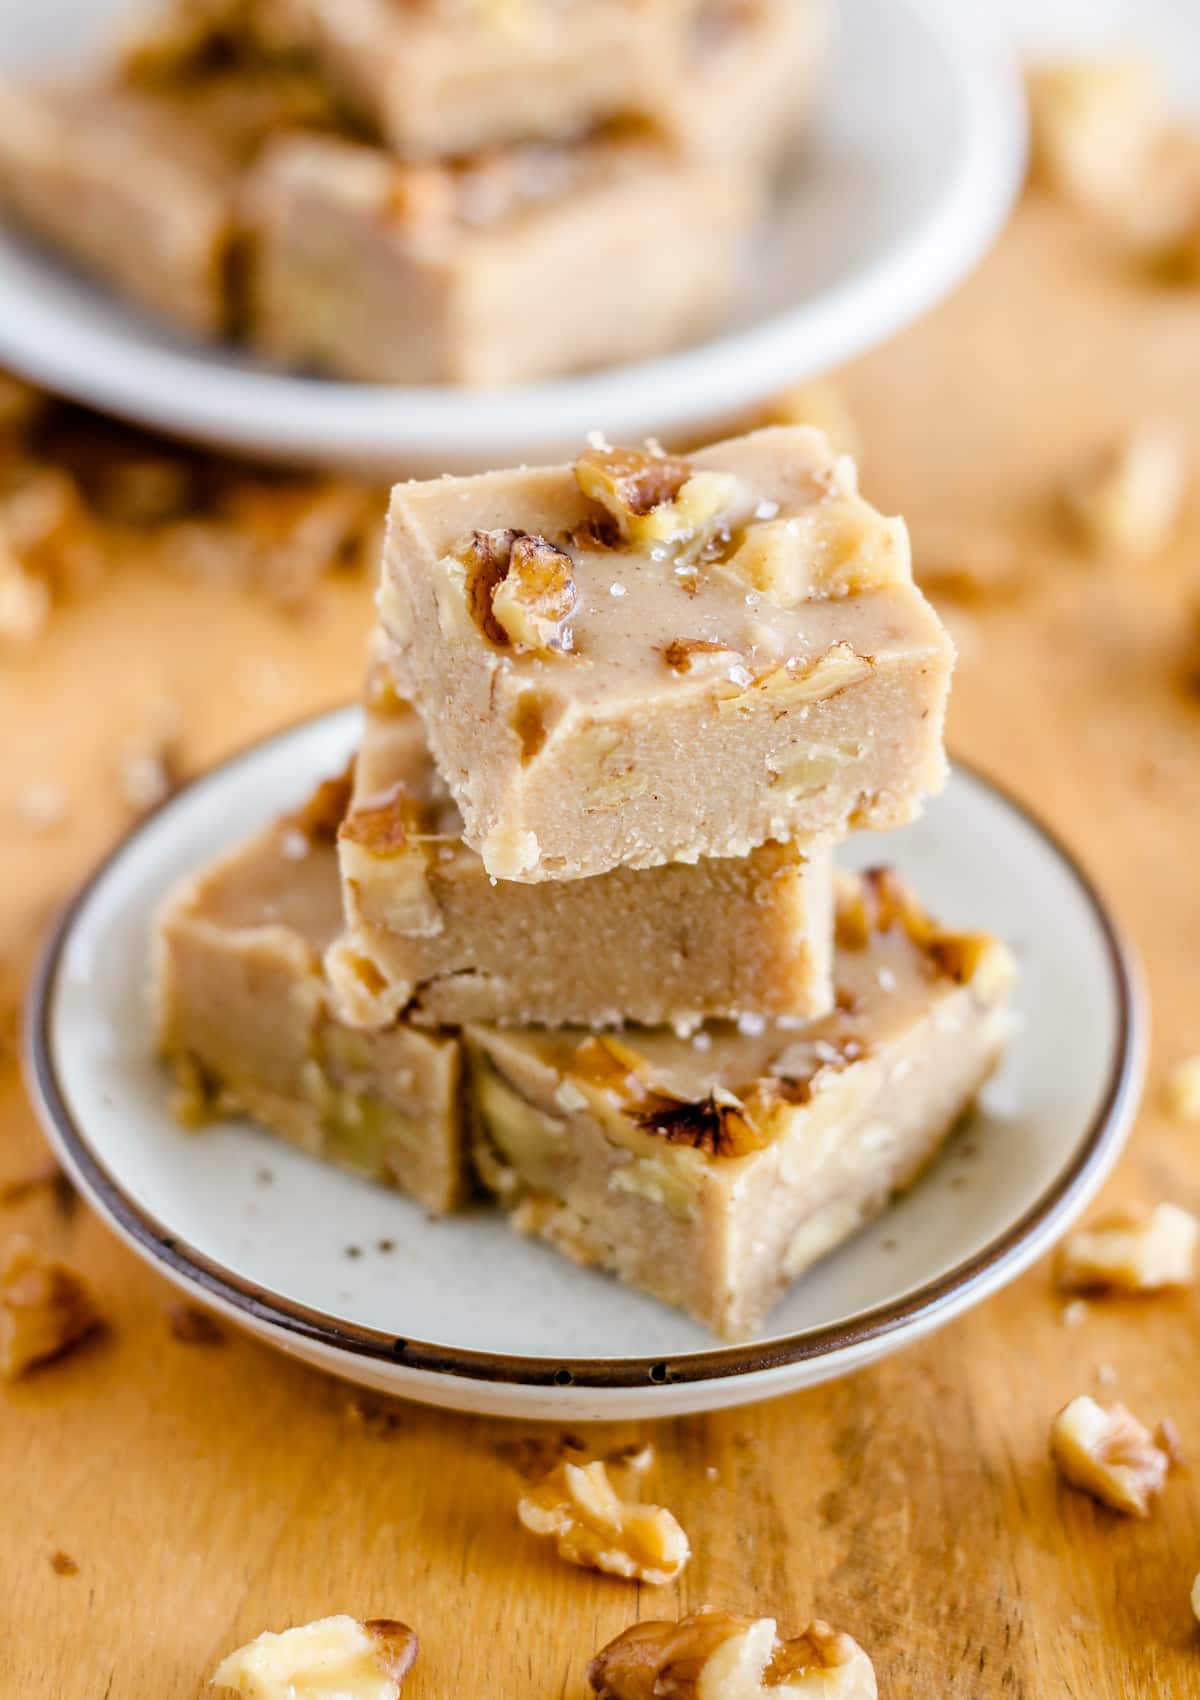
(643, 658)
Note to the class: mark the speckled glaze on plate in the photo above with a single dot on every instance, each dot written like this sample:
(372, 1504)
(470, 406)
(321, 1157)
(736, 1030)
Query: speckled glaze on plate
(463, 1312)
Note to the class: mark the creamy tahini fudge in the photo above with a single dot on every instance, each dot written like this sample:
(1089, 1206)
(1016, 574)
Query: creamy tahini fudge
(140, 185)
(489, 269)
(442, 77)
(430, 935)
(642, 659)
(713, 1171)
(744, 88)
(248, 1021)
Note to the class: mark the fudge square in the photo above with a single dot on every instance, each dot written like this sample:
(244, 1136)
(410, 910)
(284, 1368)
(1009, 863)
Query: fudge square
(447, 78)
(247, 1019)
(430, 935)
(489, 269)
(642, 659)
(140, 184)
(712, 1172)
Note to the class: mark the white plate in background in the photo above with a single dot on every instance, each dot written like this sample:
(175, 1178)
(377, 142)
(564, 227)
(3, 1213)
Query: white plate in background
(916, 162)
(465, 1313)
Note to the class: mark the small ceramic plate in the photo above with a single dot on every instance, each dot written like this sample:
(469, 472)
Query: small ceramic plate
(463, 1312)
(915, 165)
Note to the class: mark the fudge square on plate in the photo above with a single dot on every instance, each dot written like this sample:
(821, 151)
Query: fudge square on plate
(429, 934)
(713, 1171)
(141, 184)
(642, 659)
(513, 265)
(247, 1018)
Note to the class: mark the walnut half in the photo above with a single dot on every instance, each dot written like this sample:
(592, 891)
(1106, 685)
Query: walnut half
(333, 1656)
(716, 1655)
(597, 1520)
(1132, 1254)
(1109, 1454)
(45, 1309)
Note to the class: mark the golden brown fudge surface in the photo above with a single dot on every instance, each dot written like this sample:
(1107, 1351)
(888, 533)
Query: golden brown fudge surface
(712, 1171)
(430, 934)
(246, 1017)
(488, 269)
(641, 659)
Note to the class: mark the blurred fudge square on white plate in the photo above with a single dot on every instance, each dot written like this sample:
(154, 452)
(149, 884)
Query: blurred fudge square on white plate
(141, 185)
(430, 935)
(450, 77)
(247, 1018)
(642, 659)
(713, 1171)
(519, 264)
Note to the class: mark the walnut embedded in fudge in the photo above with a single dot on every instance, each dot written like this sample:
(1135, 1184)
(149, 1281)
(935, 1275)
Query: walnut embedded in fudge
(717, 1124)
(663, 504)
(520, 589)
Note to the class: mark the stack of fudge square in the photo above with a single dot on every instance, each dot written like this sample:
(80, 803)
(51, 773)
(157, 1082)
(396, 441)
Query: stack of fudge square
(425, 191)
(569, 932)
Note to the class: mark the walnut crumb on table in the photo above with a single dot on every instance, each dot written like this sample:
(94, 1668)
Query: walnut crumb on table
(334, 1656)
(1126, 500)
(595, 1515)
(1131, 1253)
(716, 1655)
(1110, 1455)
(192, 1326)
(45, 1310)
(1183, 1090)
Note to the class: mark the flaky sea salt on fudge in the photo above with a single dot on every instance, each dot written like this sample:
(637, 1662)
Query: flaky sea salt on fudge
(429, 934)
(247, 1020)
(712, 1171)
(642, 659)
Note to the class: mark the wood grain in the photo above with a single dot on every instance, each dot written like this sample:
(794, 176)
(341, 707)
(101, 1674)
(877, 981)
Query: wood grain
(209, 1492)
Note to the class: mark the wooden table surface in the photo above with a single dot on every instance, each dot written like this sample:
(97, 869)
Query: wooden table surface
(208, 1493)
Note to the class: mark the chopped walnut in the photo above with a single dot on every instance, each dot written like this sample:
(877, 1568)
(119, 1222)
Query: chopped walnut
(518, 589)
(701, 655)
(1196, 1597)
(837, 546)
(661, 503)
(333, 1656)
(45, 1310)
(1095, 123)
(789, 684)
(24, 602)
(715, 1655)
(719, 1124)
(1130, 1253)
(1183, 1090)
(1108, 1454)
(1127, 500)
(596, 1520)
(537, 596)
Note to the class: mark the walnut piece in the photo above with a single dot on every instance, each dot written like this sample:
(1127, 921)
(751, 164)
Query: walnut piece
(1183, 1090)
(596, 1519)
(837, 546)
(1196, 1598)
(537, 595)
(333, 1656)
(519, 589)
(715, 1655)
(45, 1310)
(1127, 500)
(660, 503)
(1131, 1253)
(1095, 124)
(1108, 1454)
(788, 684)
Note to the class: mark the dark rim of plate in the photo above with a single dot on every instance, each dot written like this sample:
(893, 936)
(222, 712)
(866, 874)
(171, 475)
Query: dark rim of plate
(1097, 1145)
